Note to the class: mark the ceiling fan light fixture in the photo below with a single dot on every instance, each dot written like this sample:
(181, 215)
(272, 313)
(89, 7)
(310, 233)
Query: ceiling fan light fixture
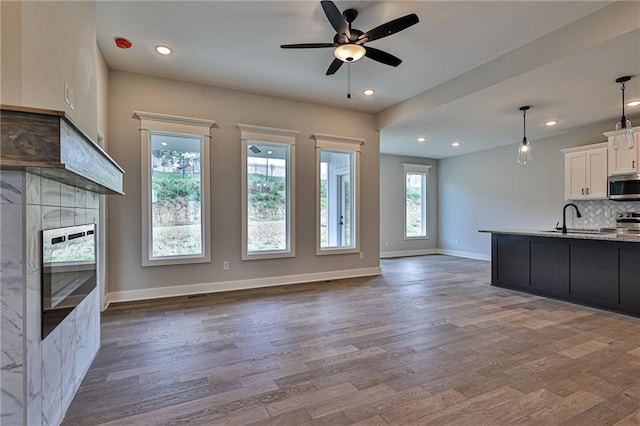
(623, 137)
(349, 52)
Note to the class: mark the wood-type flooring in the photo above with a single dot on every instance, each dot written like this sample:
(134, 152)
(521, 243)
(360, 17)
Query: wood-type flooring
(429, 342)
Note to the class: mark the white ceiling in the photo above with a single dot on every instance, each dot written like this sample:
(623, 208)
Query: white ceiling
(467, 66)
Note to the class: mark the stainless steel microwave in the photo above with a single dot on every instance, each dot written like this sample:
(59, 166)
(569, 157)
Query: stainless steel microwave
(624, 187)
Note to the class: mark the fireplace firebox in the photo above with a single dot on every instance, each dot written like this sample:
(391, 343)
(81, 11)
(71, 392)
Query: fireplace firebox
(68, 271)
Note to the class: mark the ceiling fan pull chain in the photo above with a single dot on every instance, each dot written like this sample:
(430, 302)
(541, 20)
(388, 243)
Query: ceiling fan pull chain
(348, 80)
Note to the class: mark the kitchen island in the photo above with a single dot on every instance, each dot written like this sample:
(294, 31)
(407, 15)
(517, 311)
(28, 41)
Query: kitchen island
(594, 269)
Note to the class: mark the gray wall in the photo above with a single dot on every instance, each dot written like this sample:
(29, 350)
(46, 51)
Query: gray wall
(392, 242)
(130, 92)
(489, 190)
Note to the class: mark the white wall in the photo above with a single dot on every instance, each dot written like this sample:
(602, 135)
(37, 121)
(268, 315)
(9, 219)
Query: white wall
(131, 92)
(489, 190)
(11, 52)
(102, 98)
(392, 241)
(44, 44)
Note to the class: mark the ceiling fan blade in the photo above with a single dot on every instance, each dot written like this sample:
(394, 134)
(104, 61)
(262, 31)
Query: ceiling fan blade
(389, 28)
(335, 18)
(307, 45)
(335, 66)
(382, 56)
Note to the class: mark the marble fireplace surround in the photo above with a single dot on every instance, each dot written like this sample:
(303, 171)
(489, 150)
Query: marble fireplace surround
(40, 377)
(51, 175)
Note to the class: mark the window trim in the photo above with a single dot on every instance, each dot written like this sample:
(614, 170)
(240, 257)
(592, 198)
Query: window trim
(154, 123)
(348, 145)
(249, 133)
(415, 169)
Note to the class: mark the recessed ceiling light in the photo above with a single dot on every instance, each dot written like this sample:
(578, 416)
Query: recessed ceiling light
(163, 50)
(368, 92)
(164, 143)
(269, 152)
(421, 139)
(551, 123)
(633, 103)
(455, 144)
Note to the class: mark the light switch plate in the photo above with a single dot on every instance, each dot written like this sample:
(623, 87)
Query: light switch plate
(68, 94)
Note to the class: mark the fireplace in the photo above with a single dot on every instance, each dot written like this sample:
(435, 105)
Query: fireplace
(51, 175)
(68, 271)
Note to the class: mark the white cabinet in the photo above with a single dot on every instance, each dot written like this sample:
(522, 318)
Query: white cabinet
(585, 172)
(624, 161)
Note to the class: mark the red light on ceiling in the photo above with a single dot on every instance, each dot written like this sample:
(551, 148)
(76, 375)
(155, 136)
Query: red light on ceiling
(123, 43)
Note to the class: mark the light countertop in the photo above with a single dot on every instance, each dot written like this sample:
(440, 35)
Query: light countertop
(577, 234)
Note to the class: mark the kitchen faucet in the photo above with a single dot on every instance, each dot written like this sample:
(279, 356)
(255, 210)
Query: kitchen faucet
(564, 216)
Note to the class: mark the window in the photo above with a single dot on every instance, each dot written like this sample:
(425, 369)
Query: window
(268, 189)
(175, 189)
(415, 201)
(337, 192)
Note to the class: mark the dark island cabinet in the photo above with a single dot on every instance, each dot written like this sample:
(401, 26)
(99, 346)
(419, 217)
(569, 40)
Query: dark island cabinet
(603, 274)
(550, 267)
(594, 271)
(630, 276)
(512, 258)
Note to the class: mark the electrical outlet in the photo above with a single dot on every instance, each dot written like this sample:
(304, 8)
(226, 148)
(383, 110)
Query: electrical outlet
(361, 255)
(456, 243)
(225, 265)
(386, 243)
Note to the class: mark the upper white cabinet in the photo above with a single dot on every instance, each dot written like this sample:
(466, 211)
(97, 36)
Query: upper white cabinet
(585, 172)
(624, 161)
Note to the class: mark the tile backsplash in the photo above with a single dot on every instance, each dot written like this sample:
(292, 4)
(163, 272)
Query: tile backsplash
(601, 213)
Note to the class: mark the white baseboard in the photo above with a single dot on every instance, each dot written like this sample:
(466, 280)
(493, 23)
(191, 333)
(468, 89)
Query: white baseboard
(406, 253)
(467, 254)
(189, 289)
(107, 301)
(422, 252)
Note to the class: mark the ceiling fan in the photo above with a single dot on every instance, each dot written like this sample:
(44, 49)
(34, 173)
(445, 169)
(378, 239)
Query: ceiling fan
(348, 43)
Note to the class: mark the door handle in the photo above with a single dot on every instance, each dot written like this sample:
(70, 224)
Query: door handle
(633, 164)
(582, 191)
(587, 191)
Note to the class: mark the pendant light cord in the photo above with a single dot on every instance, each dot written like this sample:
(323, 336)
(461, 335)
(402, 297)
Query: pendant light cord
(348, 80)
(623, 120)
(524, 125)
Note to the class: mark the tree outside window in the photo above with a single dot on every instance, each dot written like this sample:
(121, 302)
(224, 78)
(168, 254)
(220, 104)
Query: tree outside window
(267, 197)
(176, 197)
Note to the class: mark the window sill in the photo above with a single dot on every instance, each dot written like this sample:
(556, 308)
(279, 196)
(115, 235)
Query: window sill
(335, 250)
(426, 237)
(268, 255)
(181, 260)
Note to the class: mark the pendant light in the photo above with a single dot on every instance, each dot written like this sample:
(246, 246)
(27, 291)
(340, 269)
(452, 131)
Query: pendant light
(524, 149)
(623, 137)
